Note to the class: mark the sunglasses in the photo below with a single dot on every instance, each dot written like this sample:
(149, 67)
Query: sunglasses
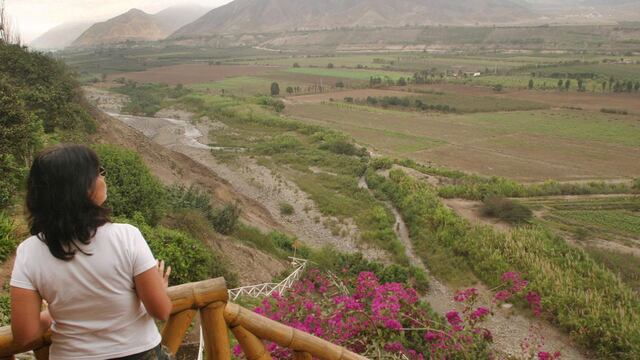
(102, 171)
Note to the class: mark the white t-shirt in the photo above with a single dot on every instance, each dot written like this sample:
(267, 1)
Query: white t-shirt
(95, 310)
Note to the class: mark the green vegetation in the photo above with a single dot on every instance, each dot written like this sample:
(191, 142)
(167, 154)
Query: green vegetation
(583, 298)
(506, 209)
(8, 241)
(223, 220)
(132, 188)
(364, 75)
(39, 104)
(148, 99)
(626, 266)
(274, 243)
(189, 258)
(475, 187)
(286, 209)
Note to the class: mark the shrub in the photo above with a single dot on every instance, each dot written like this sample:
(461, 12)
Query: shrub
(7, 237)
(348, 99)
(286, 208)
(277, 145)
(506, 209)
(131, 186)
(614, 111)
(275, 89)
(225, 220)
(5, 310)
(189, 258)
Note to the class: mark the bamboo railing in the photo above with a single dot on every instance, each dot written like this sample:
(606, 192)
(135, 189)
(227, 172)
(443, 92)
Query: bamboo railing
(217, 316)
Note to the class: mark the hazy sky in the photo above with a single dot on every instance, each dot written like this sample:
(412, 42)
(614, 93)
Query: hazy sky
(35, 17)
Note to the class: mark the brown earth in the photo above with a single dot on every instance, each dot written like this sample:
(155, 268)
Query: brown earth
(585, 100)
(191, 73)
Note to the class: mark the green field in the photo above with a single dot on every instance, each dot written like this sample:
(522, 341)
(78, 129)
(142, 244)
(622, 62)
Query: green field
(364, 75)
(526, 145)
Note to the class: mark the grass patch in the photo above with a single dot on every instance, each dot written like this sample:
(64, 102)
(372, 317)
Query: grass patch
(364, 75)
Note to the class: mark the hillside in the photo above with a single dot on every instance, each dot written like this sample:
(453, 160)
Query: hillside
(251, 16)
(134, 25)
(60, 36)
(175, 17)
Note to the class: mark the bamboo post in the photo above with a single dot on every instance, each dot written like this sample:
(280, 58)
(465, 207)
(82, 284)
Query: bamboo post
(42, 353)
(301, 355)
(252, 347)
(285, 336)
(175, 329)
(197, 295)
(216, 333)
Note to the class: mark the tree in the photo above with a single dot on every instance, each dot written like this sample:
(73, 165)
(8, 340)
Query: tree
(339, 84)
(530, 84)
(580, 84)
(289, 90)
(629, 86)
(636, 87)
(275, 89)
(567, 84)
(8, 33)
(330, 66)
(296, 65)
(604, 86)
(560, 83)
(497, 88)
(402, 82)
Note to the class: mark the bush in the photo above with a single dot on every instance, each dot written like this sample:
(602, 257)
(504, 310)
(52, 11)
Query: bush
(5, 310)
(7, 237)
(131, 187)
(286, 208)
(226, 219)
(189, 258)
(505, 209)
(277, 145)
(614, 111)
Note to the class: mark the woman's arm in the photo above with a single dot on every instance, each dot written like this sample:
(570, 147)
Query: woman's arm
(151, 287)
(28, 324)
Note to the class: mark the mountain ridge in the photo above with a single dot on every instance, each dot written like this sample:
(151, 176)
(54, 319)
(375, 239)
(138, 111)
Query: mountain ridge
(254, 16)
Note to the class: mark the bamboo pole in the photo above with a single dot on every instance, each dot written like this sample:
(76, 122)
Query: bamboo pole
(197, 295)
(285, 336)
(252, 347)
(183, 297)
(216, 333)
(301, 355)
(175, 329)
(42, 353)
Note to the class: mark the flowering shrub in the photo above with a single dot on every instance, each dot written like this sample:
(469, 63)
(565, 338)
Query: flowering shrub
(389, 319)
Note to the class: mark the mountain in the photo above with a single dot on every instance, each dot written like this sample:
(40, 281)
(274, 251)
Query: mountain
(135, 25)
(60, 36)
(173, 18)
(253, 16)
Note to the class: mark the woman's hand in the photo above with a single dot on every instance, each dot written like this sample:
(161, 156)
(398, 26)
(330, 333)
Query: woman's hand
(164, 274)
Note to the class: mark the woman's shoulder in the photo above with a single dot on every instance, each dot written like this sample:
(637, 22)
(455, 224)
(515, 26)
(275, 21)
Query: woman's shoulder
(31, 243)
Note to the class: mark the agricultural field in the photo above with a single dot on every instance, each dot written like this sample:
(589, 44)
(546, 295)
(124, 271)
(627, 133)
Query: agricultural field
(524, 145)
(607, 227)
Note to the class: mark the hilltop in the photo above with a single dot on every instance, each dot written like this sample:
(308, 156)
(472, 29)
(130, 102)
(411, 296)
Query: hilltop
(137, 25)
(254, 16)
(60, 36)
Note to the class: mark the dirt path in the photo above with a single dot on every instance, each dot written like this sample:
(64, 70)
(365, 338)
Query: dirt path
(507, 326)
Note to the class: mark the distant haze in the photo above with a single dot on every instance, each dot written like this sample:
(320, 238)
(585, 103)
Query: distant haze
(35, 17)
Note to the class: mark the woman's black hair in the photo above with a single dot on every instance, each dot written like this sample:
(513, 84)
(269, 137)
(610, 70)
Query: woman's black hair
(61, 212)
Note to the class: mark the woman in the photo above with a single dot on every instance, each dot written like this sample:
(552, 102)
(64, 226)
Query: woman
(95, 275)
